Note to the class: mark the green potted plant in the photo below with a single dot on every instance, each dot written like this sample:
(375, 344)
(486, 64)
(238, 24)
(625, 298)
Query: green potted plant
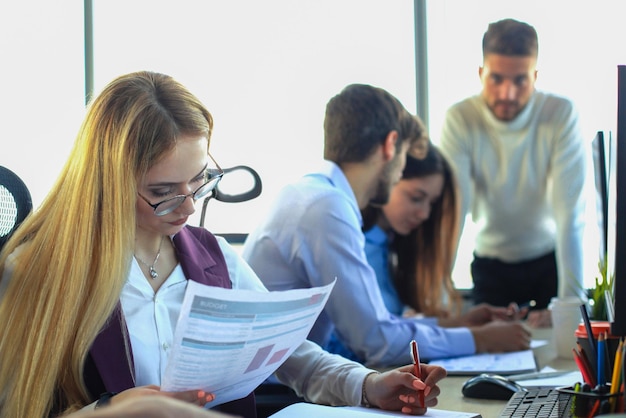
(597, 298)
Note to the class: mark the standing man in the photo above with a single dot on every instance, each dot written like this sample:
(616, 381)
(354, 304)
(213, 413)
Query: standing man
(312, 236)
(520, 163)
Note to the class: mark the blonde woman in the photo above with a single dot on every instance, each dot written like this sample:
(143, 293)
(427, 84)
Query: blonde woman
(93, 281)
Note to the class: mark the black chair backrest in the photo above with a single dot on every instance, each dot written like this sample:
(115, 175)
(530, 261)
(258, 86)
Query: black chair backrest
(254, 191)
(15, 203)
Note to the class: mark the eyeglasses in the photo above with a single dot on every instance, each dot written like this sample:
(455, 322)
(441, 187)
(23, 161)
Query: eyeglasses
(169, 205)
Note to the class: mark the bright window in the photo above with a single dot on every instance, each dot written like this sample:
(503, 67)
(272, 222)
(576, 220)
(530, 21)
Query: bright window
(265, 70)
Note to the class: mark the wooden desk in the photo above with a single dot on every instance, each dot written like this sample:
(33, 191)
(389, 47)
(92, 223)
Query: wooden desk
(452, 399)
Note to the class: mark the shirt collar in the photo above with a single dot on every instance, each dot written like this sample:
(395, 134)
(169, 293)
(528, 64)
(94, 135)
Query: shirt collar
(337, 178)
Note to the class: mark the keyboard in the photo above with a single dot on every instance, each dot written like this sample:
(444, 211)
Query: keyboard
(539, 402)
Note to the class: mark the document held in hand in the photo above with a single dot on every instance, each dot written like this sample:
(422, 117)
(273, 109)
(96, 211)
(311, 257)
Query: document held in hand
(228, 341)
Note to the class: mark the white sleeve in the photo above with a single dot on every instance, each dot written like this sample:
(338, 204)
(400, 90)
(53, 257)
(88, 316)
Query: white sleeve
(321, 377)
(568, 175)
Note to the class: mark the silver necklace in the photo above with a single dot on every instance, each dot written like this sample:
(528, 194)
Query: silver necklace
(151, 269)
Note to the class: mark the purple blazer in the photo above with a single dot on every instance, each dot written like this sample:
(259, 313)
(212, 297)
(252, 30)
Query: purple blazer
(109, 363)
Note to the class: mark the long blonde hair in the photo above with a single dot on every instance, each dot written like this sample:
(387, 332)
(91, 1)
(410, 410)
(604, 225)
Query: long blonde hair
(74, 252)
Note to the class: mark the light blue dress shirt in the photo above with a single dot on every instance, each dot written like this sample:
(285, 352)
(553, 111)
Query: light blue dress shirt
(312, 235)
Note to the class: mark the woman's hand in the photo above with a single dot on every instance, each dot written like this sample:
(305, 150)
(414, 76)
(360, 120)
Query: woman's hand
(144, 407)
(397, 390)
(197, 397)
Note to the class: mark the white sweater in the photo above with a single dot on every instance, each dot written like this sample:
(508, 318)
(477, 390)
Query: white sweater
(524, 179)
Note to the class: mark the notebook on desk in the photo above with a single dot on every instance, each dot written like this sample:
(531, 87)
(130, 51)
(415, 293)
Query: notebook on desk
(304, 409)
(501, 363)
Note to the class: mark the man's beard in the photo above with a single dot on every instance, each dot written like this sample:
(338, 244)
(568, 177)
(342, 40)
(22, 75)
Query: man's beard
(383, 188)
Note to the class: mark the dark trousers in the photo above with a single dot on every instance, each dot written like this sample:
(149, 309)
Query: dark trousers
(500, 283)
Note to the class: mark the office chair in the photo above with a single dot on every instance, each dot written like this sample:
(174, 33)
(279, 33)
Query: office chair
(15, 203)
(243, 172)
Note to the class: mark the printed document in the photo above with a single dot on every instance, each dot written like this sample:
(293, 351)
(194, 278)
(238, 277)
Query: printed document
(228, 341)
(500, 363)
(319, 411)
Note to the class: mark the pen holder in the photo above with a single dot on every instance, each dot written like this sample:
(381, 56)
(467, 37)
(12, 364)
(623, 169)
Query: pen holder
(598, 327)
(588, 404)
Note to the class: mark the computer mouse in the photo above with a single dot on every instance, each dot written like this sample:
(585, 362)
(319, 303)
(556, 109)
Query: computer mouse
(490, 386)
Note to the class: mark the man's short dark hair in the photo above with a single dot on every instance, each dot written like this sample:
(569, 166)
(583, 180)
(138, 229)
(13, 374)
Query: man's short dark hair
(358, 120)
(510, 37)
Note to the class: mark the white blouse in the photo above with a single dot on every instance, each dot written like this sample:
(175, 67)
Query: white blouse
(151, 320)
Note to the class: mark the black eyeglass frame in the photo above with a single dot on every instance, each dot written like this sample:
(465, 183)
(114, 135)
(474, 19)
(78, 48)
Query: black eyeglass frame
(196, 195)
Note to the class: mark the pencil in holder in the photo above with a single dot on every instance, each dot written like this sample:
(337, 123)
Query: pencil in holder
(579, 404)
(612, 342)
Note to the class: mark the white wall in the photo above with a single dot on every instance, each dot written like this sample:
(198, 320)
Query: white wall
(41, 100)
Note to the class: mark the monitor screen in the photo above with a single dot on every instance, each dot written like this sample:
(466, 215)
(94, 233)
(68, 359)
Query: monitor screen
(617, 209)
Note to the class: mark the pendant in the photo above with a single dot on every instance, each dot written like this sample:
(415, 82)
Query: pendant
(153, 273)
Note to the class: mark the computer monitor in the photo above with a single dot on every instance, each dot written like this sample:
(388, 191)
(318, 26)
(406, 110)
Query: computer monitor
(617, 207)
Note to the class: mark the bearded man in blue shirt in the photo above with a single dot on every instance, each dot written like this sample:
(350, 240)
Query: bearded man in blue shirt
(312, 235)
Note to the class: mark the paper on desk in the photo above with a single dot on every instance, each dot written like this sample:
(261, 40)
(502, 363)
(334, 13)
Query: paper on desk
(549, 377)
(228, 341)
(319, 411)
(500, 363)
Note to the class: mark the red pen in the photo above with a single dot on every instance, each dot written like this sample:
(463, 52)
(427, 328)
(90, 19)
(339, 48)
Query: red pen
(417, 370)
(585, 360)
(584, 370)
